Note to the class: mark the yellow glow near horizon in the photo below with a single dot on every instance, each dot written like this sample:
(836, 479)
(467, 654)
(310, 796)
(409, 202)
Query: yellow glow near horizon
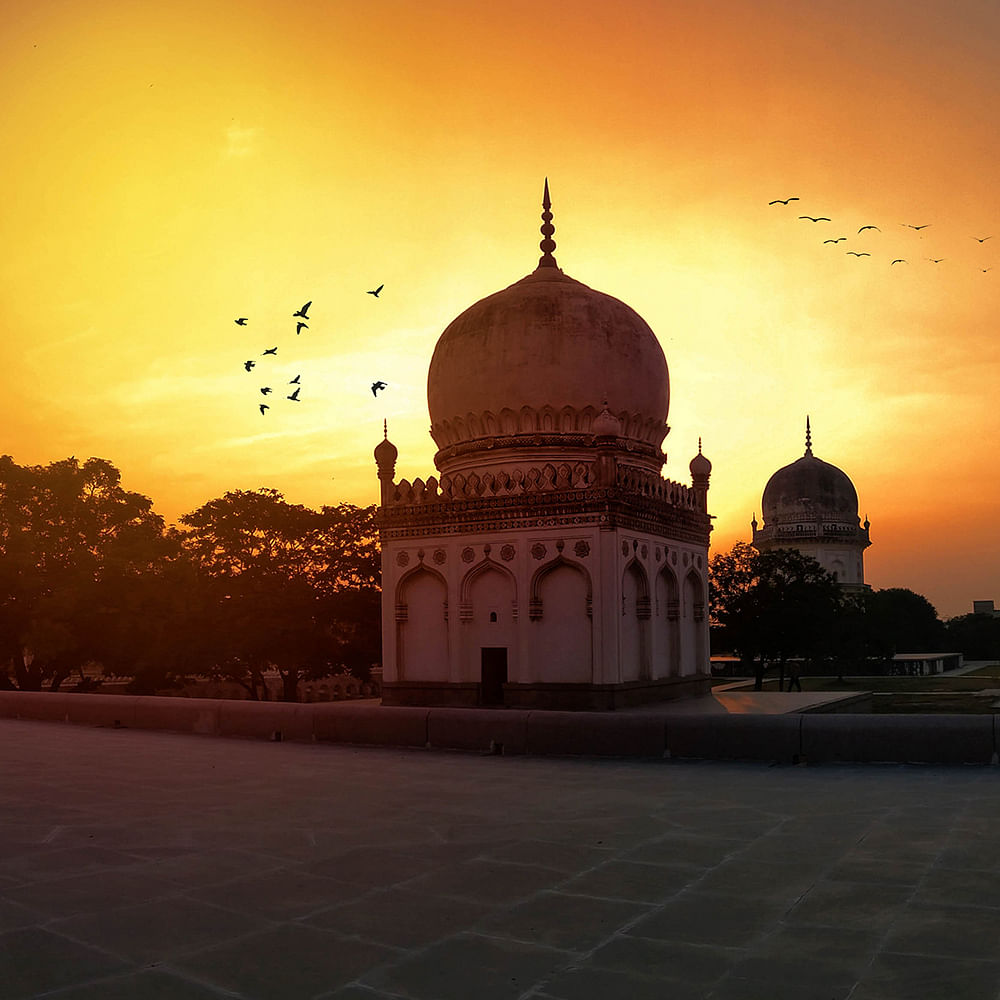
(168, 169)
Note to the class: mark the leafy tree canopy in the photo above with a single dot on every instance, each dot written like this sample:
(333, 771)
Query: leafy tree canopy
(901, 621)
(70, 537)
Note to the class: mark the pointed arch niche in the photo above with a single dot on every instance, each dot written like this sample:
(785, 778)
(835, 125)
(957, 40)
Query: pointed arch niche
(667, 623)
(488, 613)
(695, 630)
(561, 631)
(634, 633)
(422, 626)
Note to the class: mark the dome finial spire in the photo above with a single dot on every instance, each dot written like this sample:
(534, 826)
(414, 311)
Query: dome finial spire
(547, 245)
(809, 448)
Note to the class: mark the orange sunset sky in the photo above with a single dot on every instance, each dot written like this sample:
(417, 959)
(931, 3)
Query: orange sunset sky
(169, 167)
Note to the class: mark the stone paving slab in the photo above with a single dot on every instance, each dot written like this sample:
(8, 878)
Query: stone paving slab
(156, 866)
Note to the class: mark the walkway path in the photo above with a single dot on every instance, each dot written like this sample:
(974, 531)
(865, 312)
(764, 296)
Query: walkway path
(138, 864)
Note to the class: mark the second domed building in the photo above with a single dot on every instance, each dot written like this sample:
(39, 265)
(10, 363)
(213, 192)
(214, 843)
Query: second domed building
(812, 506)
(548, 564)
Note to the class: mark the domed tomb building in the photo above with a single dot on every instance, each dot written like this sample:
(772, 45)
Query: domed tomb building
(548, 564)
(812, 506)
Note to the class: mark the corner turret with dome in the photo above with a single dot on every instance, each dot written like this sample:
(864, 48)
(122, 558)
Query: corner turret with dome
(812, 506)
(551, 565)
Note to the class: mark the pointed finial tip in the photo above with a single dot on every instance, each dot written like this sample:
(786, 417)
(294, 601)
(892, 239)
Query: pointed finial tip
(699, 444)
(808, 437)
(385, 429)
(547, 245)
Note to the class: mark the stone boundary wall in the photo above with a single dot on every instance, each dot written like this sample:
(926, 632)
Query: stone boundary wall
(801, 738)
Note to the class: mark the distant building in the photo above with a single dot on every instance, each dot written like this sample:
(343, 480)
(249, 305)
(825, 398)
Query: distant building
(551, 565)
(985, 608)
(812, 506)
(921, 664)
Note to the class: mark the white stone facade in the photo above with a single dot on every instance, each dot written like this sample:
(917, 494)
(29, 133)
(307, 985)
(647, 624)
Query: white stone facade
(577, 603)
(579, 607)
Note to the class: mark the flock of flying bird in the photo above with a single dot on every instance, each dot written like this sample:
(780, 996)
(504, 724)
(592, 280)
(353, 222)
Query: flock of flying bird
(864, 253)
(301, 315)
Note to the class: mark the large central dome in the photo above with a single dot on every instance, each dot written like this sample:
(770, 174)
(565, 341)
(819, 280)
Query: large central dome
(537, 362)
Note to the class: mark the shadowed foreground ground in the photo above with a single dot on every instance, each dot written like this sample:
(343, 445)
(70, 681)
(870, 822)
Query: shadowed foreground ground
(150, 865)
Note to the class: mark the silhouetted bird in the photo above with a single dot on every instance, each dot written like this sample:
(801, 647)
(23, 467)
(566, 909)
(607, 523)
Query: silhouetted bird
(863, 228)
(265, 389)
(821, 218)
(263, 407)
(918, 228)
(242, 321)
(249, 364)
(294, 397)
(898, 260)
(782, 201)
(985, 269)
(376, 386)
(856, 254)
(300, 326)
(295, 381)
(983, 240)
(935, 260)
(304, 310)
(271, 350)
(837, 240)
(377, 290)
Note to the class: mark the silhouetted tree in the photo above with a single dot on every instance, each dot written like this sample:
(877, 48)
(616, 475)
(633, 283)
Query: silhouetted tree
(298, 587)
(70, 536)
(773, 605)
(900, 621)
(976, 636)
(731, 578)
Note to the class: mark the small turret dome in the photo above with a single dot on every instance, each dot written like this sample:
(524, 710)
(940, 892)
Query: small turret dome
(606, 424)
(386, 452)
(700, 466)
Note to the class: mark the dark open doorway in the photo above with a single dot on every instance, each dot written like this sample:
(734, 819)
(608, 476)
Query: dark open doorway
(494, 663)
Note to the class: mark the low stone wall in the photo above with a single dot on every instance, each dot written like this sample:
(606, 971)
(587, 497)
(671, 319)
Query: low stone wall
(811, 738)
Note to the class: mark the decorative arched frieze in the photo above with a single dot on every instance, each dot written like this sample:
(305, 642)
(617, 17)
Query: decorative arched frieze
(507, 421)
(547, 419)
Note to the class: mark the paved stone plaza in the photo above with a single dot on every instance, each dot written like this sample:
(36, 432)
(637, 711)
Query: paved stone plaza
(151, 865)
